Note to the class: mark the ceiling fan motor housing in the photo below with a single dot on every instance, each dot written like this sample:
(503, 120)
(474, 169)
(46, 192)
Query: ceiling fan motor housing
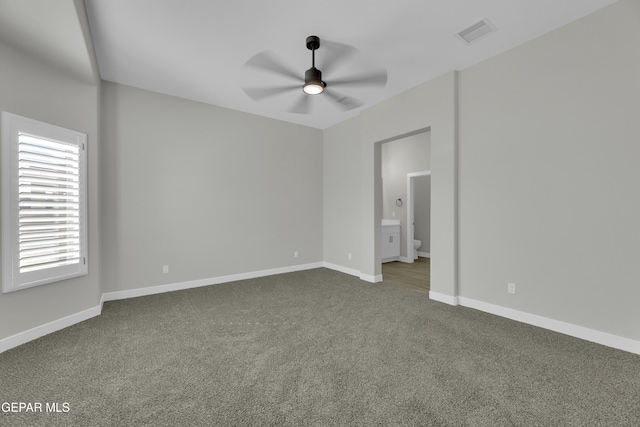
(313, 75)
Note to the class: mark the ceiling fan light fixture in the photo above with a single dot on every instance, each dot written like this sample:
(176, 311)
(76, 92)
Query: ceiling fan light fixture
(313, 84)
(313, 88)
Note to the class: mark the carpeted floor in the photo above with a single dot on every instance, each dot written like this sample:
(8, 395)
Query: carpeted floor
(316, 348)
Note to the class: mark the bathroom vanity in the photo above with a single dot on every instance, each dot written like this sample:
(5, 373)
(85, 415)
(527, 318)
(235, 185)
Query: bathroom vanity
(390, 250)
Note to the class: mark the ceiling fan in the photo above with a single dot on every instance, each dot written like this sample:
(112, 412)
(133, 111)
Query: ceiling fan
(312, 85)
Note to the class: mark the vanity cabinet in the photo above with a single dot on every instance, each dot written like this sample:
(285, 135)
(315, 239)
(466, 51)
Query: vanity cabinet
(390, 241)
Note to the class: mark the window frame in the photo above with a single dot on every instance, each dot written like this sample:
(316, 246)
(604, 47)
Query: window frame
(12, 126)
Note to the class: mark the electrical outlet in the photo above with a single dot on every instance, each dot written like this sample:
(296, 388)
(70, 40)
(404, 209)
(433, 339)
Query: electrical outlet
(511, 288)
(349, 255)
(165, 269)
(295, 254)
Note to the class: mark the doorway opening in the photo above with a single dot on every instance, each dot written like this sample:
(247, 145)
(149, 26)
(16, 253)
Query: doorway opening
(404, 168)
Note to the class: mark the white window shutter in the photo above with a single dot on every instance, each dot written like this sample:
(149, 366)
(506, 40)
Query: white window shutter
(49, 207)
(44, 203)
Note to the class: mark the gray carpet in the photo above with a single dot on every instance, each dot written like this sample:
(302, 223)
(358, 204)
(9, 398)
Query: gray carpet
(315, 348)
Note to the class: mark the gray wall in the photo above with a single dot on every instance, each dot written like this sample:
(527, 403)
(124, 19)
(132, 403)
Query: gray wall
(549, 174)
(32, 88)
(400, 157)
(341, 162)
(206, 190)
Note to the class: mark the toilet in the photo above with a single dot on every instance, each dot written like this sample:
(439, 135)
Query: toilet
(416, 245)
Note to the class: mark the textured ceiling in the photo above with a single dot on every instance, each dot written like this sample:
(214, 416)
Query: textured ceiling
(197, 49)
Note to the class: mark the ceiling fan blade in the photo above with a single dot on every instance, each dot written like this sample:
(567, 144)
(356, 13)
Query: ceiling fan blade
(303, 105)
(333, 54)
(344, 102)
(268, 61)
(260, 93)
(369, 78)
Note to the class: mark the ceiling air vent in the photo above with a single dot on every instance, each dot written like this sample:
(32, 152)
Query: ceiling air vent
(477, 31)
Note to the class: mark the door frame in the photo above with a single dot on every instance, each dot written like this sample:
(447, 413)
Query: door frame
(411, 211)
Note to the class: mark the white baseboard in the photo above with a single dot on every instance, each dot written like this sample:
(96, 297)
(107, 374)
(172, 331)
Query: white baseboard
(447, 299)
(42, 330)
(371, 279)
(151, 290)
(341, 269)
(581, 332)
(354, 272)
(410, 260)
(395, 258)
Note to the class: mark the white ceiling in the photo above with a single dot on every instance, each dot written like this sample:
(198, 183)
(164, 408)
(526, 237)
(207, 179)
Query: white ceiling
(196, 49)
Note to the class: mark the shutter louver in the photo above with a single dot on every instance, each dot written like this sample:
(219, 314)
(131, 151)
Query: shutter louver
(49, 203)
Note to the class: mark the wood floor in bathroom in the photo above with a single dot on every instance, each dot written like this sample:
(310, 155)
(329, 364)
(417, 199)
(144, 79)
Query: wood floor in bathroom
(412, 276)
